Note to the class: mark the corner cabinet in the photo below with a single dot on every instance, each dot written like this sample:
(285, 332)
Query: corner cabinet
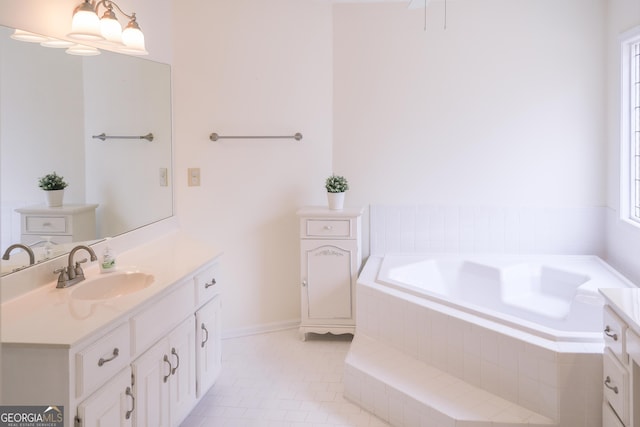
(621, 358)
(148, 369)
(330, 257)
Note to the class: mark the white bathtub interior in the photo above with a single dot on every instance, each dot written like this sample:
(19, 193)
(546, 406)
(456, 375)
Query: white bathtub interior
(558, 292)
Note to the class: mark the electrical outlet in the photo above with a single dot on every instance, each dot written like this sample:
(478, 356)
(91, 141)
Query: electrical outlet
(164, 178)
(194, 177)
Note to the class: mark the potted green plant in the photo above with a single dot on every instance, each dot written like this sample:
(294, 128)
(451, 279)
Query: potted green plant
(336, 185)
(53, 186)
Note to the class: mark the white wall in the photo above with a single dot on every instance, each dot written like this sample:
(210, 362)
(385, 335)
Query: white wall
(623, 240)
(503, 108)
(250, 67)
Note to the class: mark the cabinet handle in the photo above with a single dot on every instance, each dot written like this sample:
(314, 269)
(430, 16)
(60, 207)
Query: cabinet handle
(129, 393)
(208, 285)
(607, 384)
(607, 332)
(102, 360)
(206, 338)
(175, 353)
(166, 377)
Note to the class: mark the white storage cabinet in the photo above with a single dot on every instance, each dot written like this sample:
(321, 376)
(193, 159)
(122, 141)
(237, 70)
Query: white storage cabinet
(330, 258)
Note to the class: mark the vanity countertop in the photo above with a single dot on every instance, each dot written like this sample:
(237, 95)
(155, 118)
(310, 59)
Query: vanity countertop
(626, 301)
(50, 316)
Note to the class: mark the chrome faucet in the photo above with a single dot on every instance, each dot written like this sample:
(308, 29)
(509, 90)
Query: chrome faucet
(32, 258)
(72, 274)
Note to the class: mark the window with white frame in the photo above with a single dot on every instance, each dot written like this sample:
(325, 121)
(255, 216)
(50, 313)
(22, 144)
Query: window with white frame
(630, 127)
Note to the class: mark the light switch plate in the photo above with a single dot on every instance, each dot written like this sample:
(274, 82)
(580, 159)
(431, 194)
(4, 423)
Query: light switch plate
(194, 177)
(164, 178)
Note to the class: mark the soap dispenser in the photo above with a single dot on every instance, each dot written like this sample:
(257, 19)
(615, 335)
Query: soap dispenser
(108, 261)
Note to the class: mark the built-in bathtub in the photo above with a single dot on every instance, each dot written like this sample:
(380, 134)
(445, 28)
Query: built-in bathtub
(522, 335)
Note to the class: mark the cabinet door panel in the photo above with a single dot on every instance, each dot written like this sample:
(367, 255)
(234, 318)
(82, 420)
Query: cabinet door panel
(151, 373)
(110, 404)
(182, 386)
(209, 356)
(329, 271)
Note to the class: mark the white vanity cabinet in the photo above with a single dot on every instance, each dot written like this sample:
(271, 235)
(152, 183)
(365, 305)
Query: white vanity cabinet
(113, 405)
(64, 224)
(330, 255)
(208, 338)
(164, 379)
(144, 369)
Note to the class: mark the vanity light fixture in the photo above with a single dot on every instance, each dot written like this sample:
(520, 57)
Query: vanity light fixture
(56, 43)
(86, 25)
(82, 50)
(26, 36)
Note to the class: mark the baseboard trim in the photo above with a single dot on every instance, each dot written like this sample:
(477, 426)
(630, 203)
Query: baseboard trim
(261, 329)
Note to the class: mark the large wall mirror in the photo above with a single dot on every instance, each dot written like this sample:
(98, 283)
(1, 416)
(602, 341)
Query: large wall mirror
(52, 104)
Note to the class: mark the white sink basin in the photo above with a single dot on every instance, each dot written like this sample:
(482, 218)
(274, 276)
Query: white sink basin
(112, 285)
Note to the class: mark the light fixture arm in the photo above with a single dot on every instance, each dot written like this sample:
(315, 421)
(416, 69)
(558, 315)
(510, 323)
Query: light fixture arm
(108, 4)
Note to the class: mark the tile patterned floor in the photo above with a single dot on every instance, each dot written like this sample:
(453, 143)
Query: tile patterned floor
(277, 380)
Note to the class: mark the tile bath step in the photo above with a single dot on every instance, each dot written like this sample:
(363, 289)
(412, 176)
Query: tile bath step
(407, 392)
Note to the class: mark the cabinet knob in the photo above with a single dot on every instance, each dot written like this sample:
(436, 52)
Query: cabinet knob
(304, 283)
(129, 393)
(166, 377)
(175, 353)
(328, 227)
(607, 384)
(206, 337)
(607, 332)
(114, 354)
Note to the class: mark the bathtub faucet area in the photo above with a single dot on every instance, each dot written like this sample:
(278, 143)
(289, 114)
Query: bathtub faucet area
(73, 273)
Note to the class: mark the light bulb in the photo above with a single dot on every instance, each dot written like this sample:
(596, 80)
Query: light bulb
(110, 28)
(85, 24)
(133, 39)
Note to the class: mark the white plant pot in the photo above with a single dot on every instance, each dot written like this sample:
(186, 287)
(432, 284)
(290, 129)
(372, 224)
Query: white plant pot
(54, 198)
(336, 201)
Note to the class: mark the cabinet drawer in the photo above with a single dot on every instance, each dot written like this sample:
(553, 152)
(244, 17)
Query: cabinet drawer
(207, 283)
(156, 321)
(616, 385)
(102, 360)
(327, 228)
(45, 224)
(614, 333)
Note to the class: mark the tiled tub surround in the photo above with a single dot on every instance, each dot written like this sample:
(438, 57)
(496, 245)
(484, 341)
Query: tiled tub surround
(482, 229)
(419, 361)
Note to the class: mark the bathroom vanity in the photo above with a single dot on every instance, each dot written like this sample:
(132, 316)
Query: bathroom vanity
(621, 359)
(142, 356)
(330, 257)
